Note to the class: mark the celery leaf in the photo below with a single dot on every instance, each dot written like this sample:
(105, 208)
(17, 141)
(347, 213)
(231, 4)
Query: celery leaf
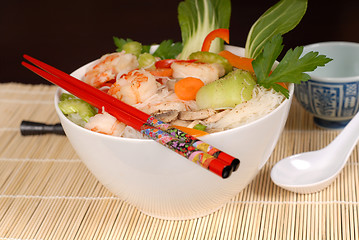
(263, 64)
(168, 50)
(291, 69)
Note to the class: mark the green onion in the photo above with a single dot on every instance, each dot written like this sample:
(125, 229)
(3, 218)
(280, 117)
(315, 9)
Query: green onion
(200, 127)
(75, 108)
(133, 47)
(146, 60)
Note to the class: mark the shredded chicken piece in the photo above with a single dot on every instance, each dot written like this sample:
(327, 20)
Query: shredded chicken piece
(196, 115)
(166, 115)
(216, 117)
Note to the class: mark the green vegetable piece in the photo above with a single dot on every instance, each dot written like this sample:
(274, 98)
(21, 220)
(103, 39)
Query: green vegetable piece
(236, 87)
(119, 42)
(279, 19)
(76, 118)
(197, 18)
(146, 48)
(65, 96)
(133, 47)
(209, 57)
(167, 49)
(77, 106)
(146, 60)
(200, 127)
(291, 69)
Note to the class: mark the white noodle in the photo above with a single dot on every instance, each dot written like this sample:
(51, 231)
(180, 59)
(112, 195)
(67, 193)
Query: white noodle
(263, 102)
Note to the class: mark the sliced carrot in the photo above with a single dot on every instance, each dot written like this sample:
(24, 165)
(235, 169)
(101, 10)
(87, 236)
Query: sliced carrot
(238, 61)
(187, 88)
(161, 72)
(220, 32)
(192, 131)
(282, 84)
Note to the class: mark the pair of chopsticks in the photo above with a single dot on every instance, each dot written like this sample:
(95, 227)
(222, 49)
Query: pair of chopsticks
(186, 145)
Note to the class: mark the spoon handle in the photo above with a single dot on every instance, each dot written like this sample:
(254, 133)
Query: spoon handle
(348, 137)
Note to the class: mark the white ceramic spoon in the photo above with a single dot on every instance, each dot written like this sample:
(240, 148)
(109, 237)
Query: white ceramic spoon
(313, 171)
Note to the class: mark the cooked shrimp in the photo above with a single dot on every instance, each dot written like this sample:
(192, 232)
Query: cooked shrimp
(106, 124)
(134, 87)
(207, 72)
(109, 66)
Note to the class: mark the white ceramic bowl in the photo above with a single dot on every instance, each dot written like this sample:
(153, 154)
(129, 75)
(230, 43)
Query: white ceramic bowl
(163, 184)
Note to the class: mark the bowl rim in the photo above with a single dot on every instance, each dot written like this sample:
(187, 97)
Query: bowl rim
(314, 46)
(263, 118)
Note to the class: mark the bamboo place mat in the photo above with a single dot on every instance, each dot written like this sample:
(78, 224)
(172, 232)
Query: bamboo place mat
(46, 192)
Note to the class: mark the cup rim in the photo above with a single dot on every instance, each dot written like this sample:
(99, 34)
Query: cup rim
(313, 46)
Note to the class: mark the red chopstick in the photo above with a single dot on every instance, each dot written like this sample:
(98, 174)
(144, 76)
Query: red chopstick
(202, 158)
(145, 118)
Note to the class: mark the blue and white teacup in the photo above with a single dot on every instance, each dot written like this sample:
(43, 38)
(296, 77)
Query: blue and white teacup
(332, 93)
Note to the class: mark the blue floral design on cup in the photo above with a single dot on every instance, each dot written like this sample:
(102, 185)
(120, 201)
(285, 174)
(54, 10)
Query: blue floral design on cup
(332, 104)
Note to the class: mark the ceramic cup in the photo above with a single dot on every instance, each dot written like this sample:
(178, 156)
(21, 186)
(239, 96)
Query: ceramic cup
(332, 93)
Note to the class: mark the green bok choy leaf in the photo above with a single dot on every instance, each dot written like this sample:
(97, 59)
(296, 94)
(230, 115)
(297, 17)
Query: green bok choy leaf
(197, 18)
(279, 19)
